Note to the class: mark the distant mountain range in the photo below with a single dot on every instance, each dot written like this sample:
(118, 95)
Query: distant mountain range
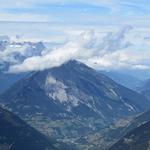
(71, 101)
(12, 52)
(140, 74)
(126, 80)
(145, 89)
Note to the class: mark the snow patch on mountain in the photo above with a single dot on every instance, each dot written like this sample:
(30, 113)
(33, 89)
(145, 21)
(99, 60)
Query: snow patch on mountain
(12, 53)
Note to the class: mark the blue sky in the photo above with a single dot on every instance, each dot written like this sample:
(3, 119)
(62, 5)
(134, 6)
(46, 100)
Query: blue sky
(74, 15)
(71, 10)
(62, 21)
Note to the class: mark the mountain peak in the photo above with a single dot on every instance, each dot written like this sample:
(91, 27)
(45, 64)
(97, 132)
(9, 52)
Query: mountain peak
(73, 94)
(69, 89)
(73, 61)
(75, 64)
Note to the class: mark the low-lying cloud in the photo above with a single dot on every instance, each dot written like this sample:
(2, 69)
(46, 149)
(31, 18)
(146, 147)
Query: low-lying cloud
(84, 47)
(111, 52)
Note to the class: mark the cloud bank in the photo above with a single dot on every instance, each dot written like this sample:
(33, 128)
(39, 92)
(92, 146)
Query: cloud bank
(85, 46)
(112, 51)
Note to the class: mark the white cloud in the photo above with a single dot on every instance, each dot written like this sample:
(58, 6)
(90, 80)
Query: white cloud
(129, 58)
(114, 50)
(116, 9)
(25, 17)
(84, 47)
(15, 52)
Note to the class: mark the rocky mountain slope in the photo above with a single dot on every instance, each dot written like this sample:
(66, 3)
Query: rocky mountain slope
(7, 80)
(15, 134)
(145, 89)
(137, 139)
(126, 80)
(71, 101)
